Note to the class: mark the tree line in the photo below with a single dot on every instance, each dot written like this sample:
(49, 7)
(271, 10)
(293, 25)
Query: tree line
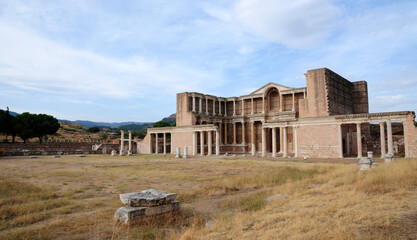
(27, 125)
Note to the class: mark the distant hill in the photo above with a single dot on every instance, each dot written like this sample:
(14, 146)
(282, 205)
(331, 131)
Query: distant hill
(105, 124)
(171, 119)
(11, 113)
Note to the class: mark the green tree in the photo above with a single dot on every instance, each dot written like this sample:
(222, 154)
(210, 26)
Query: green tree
(45, 125)
(25, 124)
(94, 129)
(162, 124)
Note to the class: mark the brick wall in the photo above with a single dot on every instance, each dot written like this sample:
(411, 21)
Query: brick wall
(320, 141)
(360, 97)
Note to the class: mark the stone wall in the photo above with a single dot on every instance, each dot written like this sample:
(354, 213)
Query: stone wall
(319, 141)
(339, 94)
(410, 137)
(184, 116)
(21, 149)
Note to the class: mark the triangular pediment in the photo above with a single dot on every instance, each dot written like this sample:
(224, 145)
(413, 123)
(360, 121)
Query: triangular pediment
(269, 85)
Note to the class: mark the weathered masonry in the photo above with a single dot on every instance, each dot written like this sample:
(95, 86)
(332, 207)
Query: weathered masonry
(327, 119)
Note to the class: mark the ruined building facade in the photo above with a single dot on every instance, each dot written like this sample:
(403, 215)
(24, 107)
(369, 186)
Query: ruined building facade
(329, 118)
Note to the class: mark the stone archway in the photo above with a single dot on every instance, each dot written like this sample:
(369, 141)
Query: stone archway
(273, 100)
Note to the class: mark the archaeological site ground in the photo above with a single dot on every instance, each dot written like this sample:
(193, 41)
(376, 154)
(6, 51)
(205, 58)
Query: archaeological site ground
(221, 198)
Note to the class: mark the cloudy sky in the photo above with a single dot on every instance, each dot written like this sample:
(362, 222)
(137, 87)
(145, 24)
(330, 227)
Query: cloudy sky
(126, 60)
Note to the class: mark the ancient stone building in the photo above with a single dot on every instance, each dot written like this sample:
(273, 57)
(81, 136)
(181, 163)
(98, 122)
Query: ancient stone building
(329, 118)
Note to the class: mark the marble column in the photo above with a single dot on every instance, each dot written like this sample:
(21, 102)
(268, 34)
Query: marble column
(193, 103)
(253, 139)
(359, 139)
(389, 135)
(382, 131)
(202, 143)
(225, 133)
(217, 143)
(243, 107)
(165, 143)
(209, 143)
(194, 143)
(234, 107)
(130, 141)
(234, 133)
(274, 142)
(214, 107)
(220, 132)
(243, 133)
(252, 111)
(339, 127)
(293, 101)
(225, 108)
(263, 104)
(200, 110)
(281, 102)
(220, 108)
(281, 143)
(295, 141)
(156, 143)
(263, 142)
(207, 106)
(285, 142)
(122, 142)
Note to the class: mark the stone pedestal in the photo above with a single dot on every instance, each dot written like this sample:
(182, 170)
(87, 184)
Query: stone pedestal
(388, 158)
(146, 203)
(185, 152)
(113, 153)
(129, 153)
(371, 156)
(366, 163)
(178, 153)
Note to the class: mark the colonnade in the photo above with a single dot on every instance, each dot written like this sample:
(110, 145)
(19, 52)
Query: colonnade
(164, 142)
(359, 138)
(122, 142)
(220, 102)
(209, 142)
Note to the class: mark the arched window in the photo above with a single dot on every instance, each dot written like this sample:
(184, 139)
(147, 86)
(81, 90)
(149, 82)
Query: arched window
(273, 100)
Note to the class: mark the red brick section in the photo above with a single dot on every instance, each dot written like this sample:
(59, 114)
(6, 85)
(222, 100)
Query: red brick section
(319, 141)
(410, 136)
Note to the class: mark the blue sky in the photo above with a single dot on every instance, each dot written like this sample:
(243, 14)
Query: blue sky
(126, 60)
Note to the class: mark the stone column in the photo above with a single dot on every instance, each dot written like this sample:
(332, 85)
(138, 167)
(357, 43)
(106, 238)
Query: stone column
(389, 135)
(234, 133)
(194, 143)
(130, 141)
(165, 143)
(214, 107)
(217, 143)
(281, 102)
(251, 106)
(220, 132)
(209, 143)
(252, 129)
(263, 142)
(220, 108)
(207, 106)
(281, 143)
(243, 107)
(202, 143)
(382, 131)
(285, 142)
(339, 126)
(293, 101)
(225, 108)
(263, 104)
(156, 143)
(225, 133)
(243, 133)
(359, 139)
(347, 142)
(122, 142)
(193, 103)
(295, 141)
(234, 107)
(274, 142)
(200, 110)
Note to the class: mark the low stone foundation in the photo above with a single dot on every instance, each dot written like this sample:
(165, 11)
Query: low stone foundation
(21, 149)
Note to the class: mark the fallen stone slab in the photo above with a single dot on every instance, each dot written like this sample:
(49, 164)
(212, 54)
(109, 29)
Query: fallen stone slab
(147, 198)
(128, 214)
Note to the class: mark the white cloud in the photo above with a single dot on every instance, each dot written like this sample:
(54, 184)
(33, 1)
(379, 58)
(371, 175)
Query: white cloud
(29, 61)
(296, 24)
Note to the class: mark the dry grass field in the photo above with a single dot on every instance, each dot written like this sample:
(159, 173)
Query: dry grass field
(221, 198)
